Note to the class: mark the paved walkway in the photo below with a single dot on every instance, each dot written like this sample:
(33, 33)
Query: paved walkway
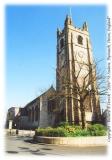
(25, 146)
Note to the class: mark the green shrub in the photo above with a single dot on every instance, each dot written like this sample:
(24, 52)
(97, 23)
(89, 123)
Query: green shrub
(101, 133)
(52, 132)
(57, 132)
(41, 132)
(63, 124)
(98, 127)
(78, 127)
(97, 130)
(79, 133)
(66, 130)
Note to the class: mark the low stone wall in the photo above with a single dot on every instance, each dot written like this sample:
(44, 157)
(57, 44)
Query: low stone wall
(10, 131)
(20, 132)
(75, 141)
(26, 133)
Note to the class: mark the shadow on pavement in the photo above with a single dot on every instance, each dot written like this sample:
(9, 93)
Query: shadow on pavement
(42, 143)
(30, 141)
(46, 148)
(23, 147)
(40, 154)
(13, 152)
(34, 152)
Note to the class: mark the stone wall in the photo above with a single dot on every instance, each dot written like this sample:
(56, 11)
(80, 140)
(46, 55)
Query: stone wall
(43, 112)
(20, 132)
(37, 112)
(75, 141)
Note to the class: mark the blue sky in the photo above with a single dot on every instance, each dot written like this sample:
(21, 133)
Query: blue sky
(31, 45)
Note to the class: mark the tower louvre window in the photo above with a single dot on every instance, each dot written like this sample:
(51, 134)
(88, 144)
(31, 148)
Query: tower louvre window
(80, 39)
(62, 43)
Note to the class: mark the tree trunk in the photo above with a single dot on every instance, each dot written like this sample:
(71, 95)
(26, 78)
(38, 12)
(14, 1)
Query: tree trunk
(82, 109)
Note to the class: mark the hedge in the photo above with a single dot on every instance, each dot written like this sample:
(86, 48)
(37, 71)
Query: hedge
(72, 131)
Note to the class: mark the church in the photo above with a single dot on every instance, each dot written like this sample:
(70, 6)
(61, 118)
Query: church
(76, 74)
(75, 98)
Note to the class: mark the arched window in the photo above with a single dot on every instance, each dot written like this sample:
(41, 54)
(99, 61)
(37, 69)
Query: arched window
(29, 114)
(61, 43)
(80, 40)
(33, 111)
(36, 113)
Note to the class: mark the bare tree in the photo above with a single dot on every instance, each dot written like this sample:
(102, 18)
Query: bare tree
(90, 84)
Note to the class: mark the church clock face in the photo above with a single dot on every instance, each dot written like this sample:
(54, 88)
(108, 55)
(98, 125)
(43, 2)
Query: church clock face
(80, 54)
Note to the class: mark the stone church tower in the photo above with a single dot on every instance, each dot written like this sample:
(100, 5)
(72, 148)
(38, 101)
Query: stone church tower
(74, 61)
